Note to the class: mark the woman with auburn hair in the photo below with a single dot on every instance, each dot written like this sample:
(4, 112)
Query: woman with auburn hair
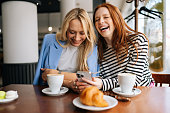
(121, 49)
(71, 51)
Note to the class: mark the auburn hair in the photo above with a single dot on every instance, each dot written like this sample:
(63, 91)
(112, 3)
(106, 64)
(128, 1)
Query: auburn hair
(121, 35)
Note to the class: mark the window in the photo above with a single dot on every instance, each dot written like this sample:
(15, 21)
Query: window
(157, 29)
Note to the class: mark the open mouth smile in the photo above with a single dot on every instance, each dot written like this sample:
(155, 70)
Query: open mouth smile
(104, 28)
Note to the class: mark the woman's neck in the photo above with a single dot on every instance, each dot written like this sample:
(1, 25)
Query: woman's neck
(108, 40)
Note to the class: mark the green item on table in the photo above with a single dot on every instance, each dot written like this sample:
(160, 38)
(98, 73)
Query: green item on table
(2, 94)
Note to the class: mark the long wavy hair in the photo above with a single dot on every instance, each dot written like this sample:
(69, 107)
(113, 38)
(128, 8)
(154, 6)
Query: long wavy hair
(86, 48)
(122, 33)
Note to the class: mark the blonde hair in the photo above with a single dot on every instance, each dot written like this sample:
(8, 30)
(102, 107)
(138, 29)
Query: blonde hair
(86, 48)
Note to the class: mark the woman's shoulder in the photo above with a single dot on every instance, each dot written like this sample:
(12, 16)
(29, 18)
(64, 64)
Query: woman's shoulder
(51, 38)
(140, 38)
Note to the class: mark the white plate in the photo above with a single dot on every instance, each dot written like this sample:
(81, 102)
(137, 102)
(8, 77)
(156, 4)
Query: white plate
(48, 92)
(8, 100)
(111, 101)
(135, 92)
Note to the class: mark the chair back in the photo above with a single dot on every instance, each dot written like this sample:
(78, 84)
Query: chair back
(161, 78)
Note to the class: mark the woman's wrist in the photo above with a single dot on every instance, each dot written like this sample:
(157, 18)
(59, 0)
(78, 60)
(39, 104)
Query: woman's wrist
(67, 83)
(101, 84)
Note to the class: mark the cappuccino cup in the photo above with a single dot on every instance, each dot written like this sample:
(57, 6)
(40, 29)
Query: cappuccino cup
(126, 82)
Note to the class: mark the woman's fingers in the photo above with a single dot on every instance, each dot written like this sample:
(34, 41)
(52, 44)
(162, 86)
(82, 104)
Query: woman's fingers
(47, 71)
(78, 86)
(75, 88)
(44, 74)
(42, 69)
(96, 82)
(81, 88)
(44, 77)
(88, 81)
(81, 84)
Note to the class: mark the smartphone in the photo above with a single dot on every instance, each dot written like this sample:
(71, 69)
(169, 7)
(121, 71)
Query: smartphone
(85, 74)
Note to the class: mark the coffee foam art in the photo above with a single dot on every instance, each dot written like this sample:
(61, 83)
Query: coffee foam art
(11, 94)
(55, 75)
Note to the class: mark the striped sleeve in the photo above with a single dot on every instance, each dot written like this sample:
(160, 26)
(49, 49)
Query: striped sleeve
(109, 83)
(139, 65)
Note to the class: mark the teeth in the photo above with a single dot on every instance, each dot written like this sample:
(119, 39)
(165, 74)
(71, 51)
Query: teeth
(103, 28)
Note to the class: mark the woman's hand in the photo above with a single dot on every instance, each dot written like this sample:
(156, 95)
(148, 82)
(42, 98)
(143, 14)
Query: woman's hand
(95, 82)
(75, 85)
(82, 85)
(47, 71)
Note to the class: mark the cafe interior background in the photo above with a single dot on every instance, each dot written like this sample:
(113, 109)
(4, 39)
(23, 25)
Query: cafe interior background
(49, 18)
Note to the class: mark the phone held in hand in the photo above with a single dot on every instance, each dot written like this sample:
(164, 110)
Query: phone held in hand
(85, 74)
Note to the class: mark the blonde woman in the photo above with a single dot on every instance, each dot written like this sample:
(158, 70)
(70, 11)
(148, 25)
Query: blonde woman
(71, 51)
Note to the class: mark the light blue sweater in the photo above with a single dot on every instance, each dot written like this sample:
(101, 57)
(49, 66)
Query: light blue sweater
(50, 55)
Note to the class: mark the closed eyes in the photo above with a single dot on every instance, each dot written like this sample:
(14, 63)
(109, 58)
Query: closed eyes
(73, 32)
(105, 17)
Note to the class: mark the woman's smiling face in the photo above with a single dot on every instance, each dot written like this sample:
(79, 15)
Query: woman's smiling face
(104, 22)
(75, 33)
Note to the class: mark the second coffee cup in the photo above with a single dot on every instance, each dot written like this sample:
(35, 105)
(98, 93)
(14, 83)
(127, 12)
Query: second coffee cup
(126, 82)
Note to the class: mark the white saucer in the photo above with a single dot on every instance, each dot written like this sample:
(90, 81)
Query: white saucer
(8, 100)
(135, 92)
(111, 101)
(48, 92)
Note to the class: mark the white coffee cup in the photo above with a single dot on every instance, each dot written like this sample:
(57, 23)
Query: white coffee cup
(126, 82)
(55, 82)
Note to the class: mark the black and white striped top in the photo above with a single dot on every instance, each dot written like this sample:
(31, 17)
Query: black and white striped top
(110, 66)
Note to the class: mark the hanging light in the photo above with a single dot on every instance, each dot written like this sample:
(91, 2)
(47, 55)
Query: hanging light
(50, 28)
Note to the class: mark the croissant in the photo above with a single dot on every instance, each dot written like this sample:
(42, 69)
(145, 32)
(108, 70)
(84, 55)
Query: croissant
(92, 96)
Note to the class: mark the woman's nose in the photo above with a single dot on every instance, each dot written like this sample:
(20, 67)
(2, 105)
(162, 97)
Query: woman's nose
(101, 20)
(77, 36)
